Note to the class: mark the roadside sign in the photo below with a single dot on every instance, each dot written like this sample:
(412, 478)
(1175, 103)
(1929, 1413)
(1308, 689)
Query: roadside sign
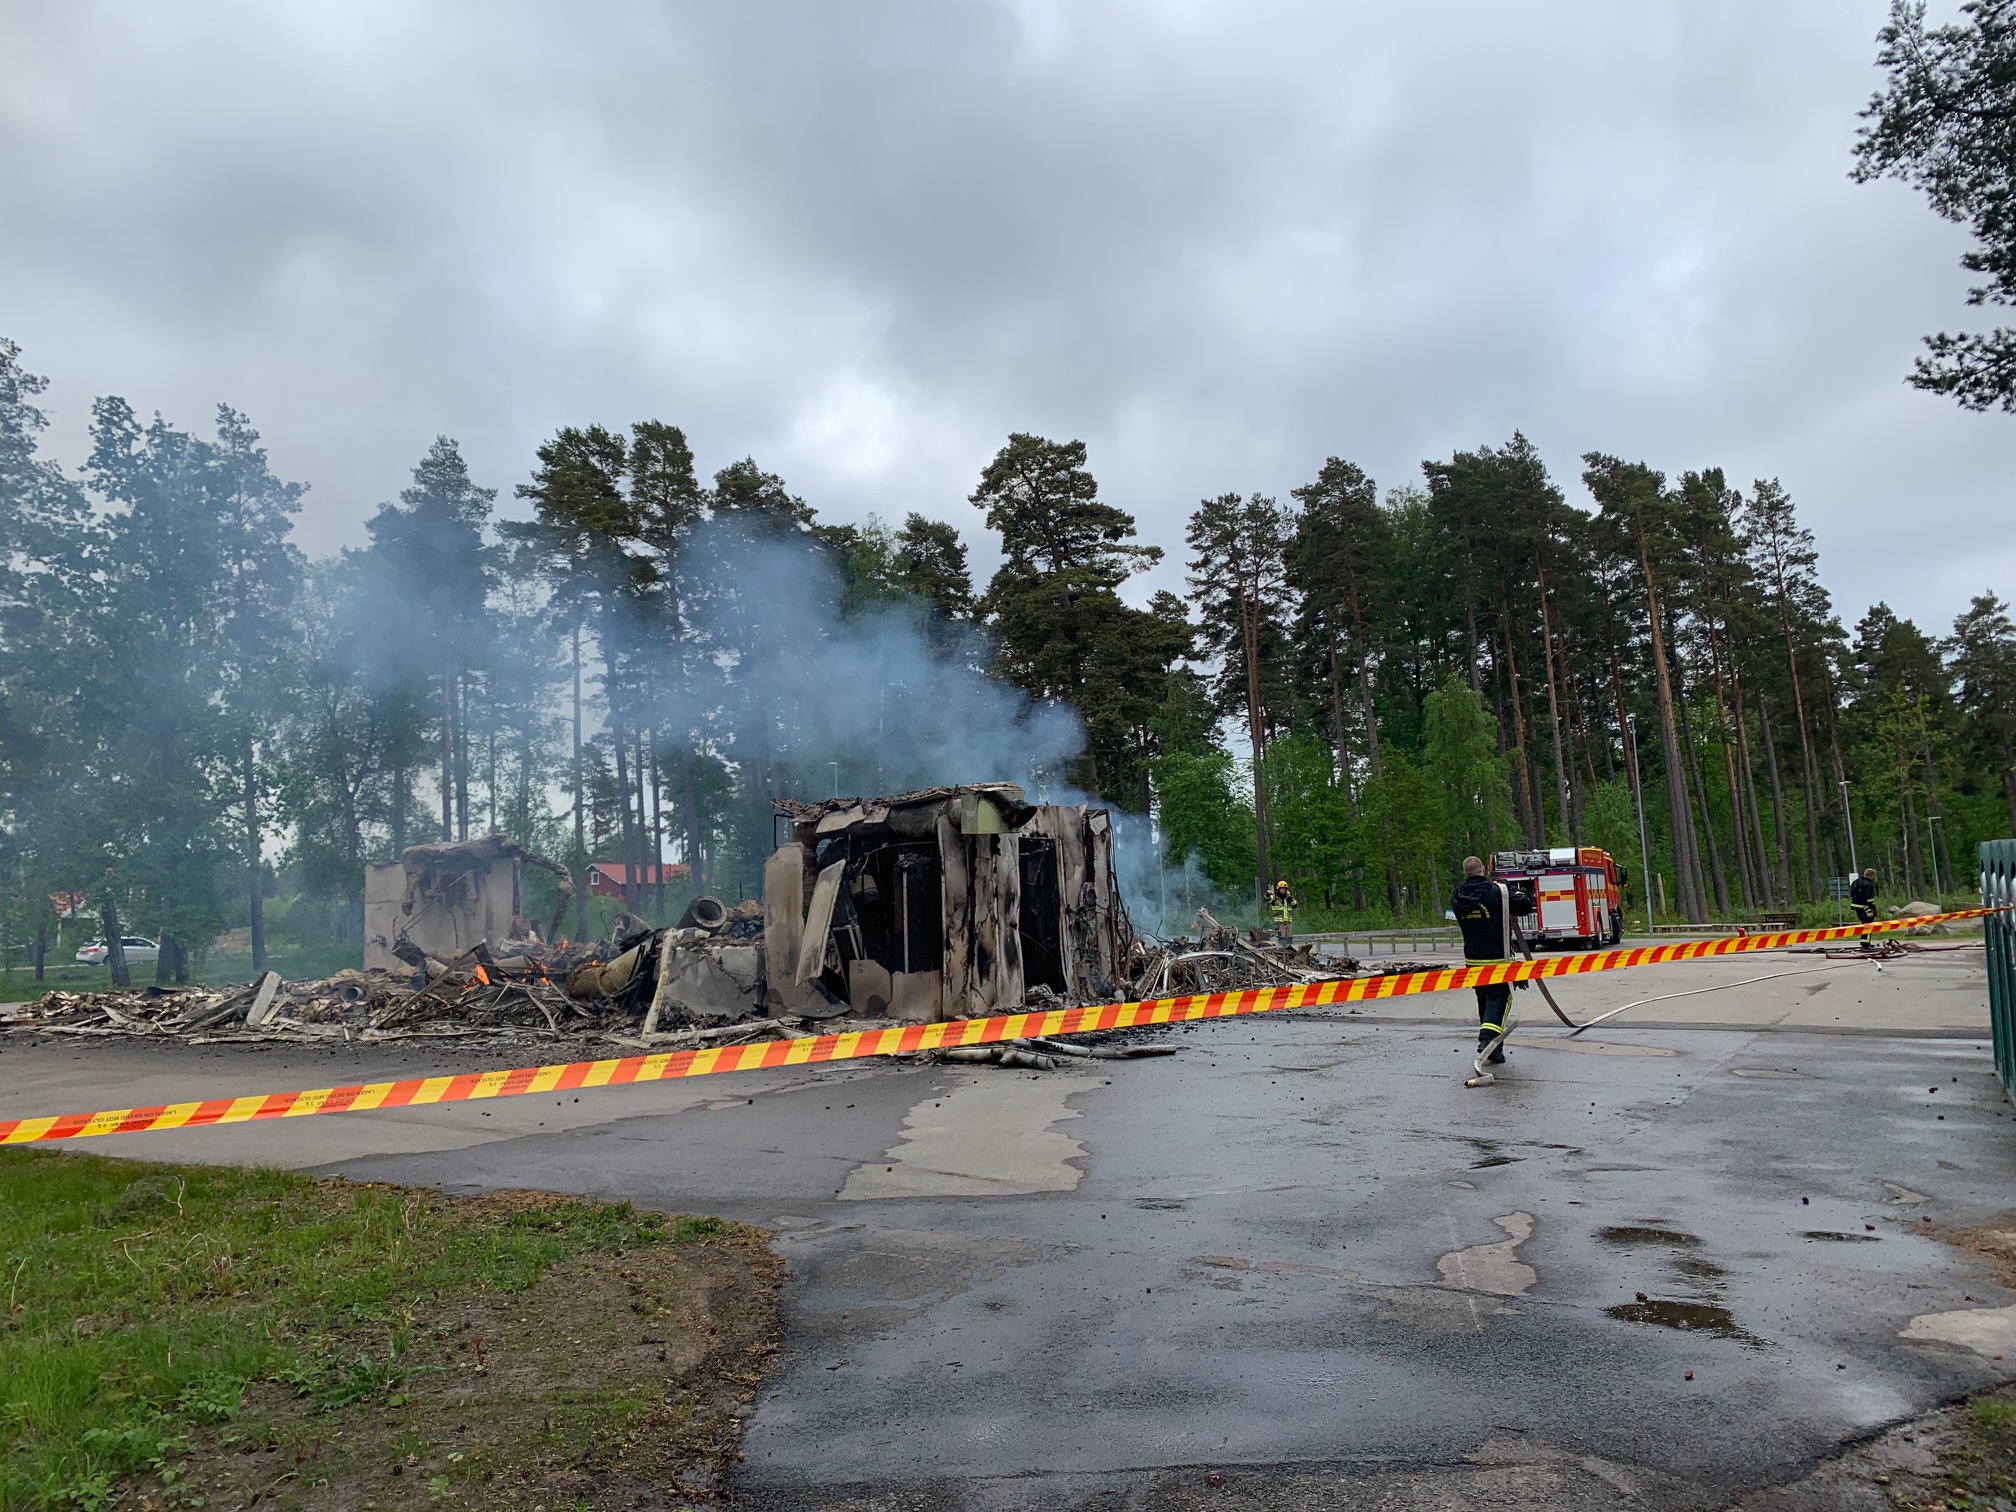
(1837, 887)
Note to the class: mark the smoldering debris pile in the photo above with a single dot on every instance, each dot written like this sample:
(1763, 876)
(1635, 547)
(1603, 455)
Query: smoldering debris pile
(1218, 958)
(641, 983)
(1215, 957)
(699, 983)
(944, 903)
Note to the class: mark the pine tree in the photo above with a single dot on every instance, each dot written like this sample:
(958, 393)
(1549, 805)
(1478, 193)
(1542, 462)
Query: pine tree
(1239, 581)
(1061, 631)
(262, 581)
(1335, 563)
(1942, 124)
(600, 506)
(931, 563)
(429, 556)
(1783, 556)
(1983, 662)
(1634, 503)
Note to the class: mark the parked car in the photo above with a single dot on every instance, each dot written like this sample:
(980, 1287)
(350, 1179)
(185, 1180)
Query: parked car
(96, 952)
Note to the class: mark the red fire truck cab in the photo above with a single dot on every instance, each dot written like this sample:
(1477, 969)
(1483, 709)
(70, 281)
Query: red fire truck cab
(1577, 892)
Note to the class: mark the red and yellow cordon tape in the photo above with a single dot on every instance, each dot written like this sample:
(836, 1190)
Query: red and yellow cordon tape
(904, 1039)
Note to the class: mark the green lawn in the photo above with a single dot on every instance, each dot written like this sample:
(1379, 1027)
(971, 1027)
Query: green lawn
(172, 1334)
(297, 963)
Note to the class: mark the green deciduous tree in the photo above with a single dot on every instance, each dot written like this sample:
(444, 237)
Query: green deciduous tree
(1204, 814)
(1460, 750)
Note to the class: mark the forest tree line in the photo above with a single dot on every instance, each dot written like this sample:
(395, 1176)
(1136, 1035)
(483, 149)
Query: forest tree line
(1360, 688)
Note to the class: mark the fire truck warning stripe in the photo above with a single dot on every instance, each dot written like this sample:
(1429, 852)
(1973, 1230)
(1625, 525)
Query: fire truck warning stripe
(904, 1039)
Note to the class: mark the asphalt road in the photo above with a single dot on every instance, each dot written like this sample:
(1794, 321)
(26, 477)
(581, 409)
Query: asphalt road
(1296, 1265)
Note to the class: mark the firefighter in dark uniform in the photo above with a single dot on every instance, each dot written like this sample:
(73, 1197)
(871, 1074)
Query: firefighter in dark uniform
(1862, 899)
(1484, 912)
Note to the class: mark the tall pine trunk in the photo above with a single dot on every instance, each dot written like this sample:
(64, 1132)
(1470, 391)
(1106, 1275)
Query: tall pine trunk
(1739, 834)
(1715, 872)
(461, 759)
(1532, 819)
(399, 805)
(642, 779)
(255, 892)
(626, 839)
(1341, 735)
(447, 756)
(1256, 732)
(657, 829)
(115, 946)
(1784, 835)
(689, 804)
(1630, 746)
(1811, 781)
(1934, 821)
(580, 817)
(353, 858)
(1747, 761)
(1686, 863)
(1834, 741)
(1914, 868)
(1561, 786)
(1365, 708)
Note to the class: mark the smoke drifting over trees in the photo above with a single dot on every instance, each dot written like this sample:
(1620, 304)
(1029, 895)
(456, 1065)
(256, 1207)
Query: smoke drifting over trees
(196, 722)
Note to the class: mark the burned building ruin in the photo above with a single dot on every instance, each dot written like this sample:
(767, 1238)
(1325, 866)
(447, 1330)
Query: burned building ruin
(952, 902)
(947, 903)
(444, 900)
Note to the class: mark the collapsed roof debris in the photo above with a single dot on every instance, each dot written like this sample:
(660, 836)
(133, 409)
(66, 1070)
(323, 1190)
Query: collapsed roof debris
(951, 902)
(442, 899)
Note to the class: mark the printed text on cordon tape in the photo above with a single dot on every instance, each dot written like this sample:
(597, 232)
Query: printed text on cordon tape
(898, 1040)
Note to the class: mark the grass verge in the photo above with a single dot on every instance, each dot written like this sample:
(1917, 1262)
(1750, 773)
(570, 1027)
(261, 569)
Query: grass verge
(185, 1337)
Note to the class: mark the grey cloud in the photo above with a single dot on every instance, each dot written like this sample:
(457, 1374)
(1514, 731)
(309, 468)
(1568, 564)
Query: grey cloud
(1217, 242)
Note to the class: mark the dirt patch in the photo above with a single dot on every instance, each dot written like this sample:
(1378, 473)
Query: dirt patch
(1962, 1456)
(1993, 1244)
(612, 1381)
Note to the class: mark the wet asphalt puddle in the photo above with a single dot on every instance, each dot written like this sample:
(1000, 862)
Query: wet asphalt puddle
(1702, 1307)
(1701, 1255)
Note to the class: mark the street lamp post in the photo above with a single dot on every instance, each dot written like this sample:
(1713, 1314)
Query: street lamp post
(1854, 866)
(1932, 844)
(1638, 801)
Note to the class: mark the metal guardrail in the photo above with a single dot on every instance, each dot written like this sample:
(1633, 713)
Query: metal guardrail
(1998, 932)
(1395, 940)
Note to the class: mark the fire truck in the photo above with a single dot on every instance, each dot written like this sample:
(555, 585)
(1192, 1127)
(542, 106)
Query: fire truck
(1577, 893)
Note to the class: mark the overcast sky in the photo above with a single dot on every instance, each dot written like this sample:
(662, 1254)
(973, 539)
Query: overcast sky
(863, 242)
